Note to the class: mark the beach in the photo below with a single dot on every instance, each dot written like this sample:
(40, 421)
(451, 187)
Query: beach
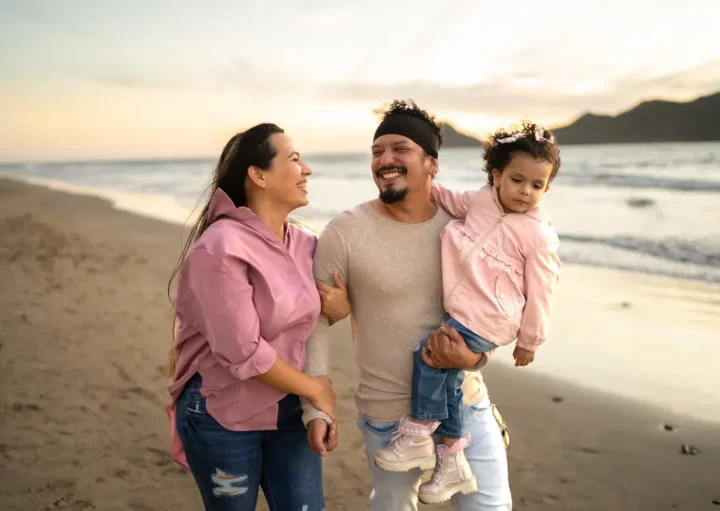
(85, 328)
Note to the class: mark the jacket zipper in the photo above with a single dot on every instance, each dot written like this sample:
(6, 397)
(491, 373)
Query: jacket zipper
(467, 257)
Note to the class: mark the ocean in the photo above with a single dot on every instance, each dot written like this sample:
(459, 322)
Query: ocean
(651, 208)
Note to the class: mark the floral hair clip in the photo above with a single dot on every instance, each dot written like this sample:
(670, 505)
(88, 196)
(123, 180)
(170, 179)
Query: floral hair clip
(510, 139)
(517, 136)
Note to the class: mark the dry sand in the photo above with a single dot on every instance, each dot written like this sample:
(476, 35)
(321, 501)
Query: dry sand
(84, 331)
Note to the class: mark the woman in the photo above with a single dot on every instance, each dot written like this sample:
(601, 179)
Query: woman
(246, 305)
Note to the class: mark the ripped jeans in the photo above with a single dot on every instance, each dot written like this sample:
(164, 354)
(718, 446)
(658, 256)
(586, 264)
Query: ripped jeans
(229, 467)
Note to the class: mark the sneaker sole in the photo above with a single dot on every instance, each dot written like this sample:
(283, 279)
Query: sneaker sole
(427, 463)
(466, 488)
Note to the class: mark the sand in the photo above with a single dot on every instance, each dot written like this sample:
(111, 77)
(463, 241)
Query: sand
(85, 328)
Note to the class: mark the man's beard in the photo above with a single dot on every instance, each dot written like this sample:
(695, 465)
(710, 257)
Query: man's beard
(391, 195)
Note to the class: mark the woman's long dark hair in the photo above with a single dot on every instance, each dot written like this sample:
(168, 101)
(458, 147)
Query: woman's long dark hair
(251, 148)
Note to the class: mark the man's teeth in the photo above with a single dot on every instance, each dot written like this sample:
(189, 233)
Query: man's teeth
(390, 175)
(302, 185)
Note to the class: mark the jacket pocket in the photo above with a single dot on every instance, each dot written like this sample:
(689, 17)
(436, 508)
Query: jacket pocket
(504, 295)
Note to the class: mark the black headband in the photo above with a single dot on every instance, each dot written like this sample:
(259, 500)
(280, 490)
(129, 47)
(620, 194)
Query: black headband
(413, 128)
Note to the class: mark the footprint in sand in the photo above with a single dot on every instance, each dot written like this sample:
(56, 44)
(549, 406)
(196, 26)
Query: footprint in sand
(136, 505)
(126, 393)
(120, 473)
(174, 470)
(17, 407)
(124, 375)
(588, 450)
(162, 457)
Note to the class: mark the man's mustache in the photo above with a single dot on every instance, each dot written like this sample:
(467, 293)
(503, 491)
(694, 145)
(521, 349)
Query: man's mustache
(399, 168)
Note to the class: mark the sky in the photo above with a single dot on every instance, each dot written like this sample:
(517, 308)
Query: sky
(89, 79)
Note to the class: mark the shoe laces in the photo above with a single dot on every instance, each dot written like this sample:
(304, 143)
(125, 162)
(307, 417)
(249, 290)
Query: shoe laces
(440, 468)
(399, 442)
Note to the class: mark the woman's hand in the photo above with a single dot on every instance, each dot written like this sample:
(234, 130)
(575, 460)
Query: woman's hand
(324, 397)
(446, 349)
(334, 299)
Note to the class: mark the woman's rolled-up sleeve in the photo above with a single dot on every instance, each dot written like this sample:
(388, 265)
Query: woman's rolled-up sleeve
(220, 298)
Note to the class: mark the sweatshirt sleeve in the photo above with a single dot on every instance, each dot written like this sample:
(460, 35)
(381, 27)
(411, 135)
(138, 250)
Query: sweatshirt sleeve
(542, 271)
(483, 362)
(330, 255)
(220, 299)
(455, 203)
(316, 364)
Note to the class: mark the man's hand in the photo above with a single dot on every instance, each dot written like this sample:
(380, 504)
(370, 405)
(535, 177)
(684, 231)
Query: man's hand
(334, 299)
(522, 356)
(446, 349)
(322, 437)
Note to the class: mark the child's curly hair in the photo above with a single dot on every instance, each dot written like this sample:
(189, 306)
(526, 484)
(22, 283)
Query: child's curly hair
(530, 138)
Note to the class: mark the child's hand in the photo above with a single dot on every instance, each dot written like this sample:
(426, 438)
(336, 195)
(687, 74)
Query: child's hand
(522, 356)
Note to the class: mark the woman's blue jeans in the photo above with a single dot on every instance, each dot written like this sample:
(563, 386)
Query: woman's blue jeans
(230, 466)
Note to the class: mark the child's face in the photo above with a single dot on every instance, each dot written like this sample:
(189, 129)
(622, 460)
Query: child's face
(523, 183)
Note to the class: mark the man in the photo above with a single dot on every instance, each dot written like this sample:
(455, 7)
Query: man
(387, 252)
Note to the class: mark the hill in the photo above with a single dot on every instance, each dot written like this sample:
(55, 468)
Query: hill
(650, 121)
(455, 138)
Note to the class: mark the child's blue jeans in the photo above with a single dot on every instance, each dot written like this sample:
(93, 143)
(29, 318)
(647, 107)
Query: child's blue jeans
(437, 393)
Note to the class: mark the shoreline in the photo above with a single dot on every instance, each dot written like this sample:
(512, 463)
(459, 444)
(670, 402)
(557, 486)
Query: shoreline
(87, 327)
(167, 208)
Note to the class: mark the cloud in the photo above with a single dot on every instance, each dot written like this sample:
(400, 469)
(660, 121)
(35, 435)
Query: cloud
(242, 75)
(42, 15)
(238, 75)
(517, 95)
(529, 81)
(142, 81)
(505, 96)
(704, 78)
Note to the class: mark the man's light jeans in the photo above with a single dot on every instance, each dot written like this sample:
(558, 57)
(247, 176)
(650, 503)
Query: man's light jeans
(486, 454)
